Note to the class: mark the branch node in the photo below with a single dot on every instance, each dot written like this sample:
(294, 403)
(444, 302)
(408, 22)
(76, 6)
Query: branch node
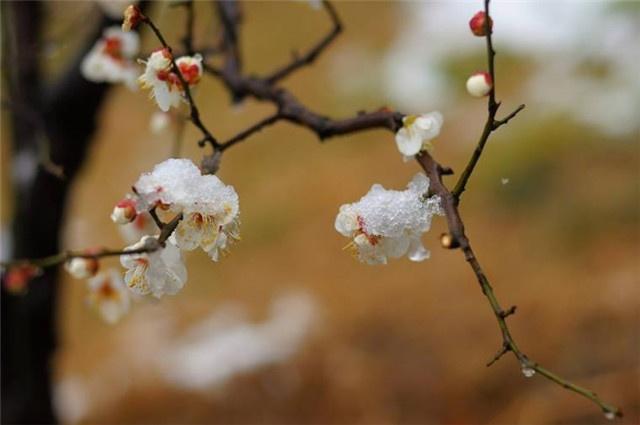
(506, 313)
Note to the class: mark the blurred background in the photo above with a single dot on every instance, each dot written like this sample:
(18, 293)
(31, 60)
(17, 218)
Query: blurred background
(289, 328)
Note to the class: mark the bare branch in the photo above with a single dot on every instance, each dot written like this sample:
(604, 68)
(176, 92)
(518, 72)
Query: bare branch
(314, 52)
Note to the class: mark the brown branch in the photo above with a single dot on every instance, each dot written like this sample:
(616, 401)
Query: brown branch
(60, 258)
(314, 52)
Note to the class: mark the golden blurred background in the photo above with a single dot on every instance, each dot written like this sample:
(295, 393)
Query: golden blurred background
(553, 213)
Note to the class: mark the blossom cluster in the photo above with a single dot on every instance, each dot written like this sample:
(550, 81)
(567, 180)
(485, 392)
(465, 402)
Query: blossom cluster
(389, 223)
(207, 215)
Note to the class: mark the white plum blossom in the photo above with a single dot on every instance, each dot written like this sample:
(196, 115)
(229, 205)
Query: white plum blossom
(111, 58)
(158, 272)
(210, 208)
(109, 296)
(389, 223)
(165, 84)
(417, 132)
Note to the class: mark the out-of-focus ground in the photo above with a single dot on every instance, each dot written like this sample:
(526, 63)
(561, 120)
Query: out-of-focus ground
(289, 328)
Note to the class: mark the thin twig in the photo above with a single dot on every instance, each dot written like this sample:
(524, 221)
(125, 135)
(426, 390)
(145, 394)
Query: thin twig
(492, 106)
(251, 130)
(54, 260)
(312, 53)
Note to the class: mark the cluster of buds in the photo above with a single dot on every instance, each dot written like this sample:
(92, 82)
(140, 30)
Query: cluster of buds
(480, 83)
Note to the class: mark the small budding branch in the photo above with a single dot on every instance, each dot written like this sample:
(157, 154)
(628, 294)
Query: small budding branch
(289, 108)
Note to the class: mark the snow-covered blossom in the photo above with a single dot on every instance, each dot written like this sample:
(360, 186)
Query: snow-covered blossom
(132, 17)
(210, 208)
(164, 83)
(478, 22)
(479, 84)
(159, 122)
(158, 272)
(417, 132)
(389, 223)
(111, 58)
(124, 212)
(109, 296)
(82, 268)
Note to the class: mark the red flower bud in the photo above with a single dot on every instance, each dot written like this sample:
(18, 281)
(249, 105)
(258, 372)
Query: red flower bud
(478, 24)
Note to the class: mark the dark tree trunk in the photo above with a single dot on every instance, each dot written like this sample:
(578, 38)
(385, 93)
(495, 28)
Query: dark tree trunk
(64, 114)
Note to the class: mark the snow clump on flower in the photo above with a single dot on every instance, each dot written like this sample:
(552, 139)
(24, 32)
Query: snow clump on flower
(111, 58)
(210, 208)
(389, 223)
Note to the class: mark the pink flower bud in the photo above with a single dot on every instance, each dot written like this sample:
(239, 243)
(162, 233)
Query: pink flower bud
(132, 17)
(478, 23)
(82, 268)
(479, 84)
(18, 277)
(124, 212)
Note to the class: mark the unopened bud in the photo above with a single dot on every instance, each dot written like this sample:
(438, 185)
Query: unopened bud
(449, 242)
(82, 268)
(478, 24)
(18, 277)
(124, 212)
(479, 84)
(132, 17)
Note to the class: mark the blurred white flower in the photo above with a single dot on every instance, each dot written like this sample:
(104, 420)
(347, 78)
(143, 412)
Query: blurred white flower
(111, 58)
(417, 132)
(109, 296)
(159, 272)
(159, 122)
(210, 208)
(389, 223)
(165, 84)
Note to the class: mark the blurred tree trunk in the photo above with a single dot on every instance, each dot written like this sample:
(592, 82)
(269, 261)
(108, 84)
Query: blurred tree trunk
(50, 125)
